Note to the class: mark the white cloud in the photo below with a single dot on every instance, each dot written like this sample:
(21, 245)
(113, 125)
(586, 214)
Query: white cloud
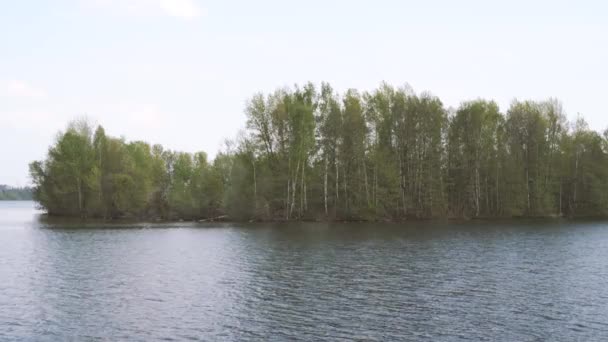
(18, 88)
(185, 9)
(181, 8)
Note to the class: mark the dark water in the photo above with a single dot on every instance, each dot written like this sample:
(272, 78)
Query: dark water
(267, 282)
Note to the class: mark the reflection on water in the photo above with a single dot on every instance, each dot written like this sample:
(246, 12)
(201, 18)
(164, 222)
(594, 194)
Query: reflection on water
(436, 281)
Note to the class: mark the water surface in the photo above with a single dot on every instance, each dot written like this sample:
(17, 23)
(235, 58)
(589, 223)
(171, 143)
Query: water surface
(495, 281)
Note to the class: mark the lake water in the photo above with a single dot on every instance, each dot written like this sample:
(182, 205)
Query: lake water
(524, 281)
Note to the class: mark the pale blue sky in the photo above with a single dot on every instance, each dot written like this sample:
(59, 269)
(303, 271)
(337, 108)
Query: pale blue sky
(177, 72)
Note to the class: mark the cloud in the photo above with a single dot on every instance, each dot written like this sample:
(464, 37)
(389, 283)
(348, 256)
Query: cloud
(184, 9)
(18, 88)
(181, 8)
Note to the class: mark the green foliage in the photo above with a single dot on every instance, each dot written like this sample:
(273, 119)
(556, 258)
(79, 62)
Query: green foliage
(310, 153)
(476, 160)
(8, 193)
(101, 176)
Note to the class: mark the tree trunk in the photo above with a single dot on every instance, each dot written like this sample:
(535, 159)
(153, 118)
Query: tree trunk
(487, 196)
(302, 190)
(574, 194)
(325, 187)
(287, 200)
(366, 184)
(402, 185)
(255, 189)
(337, 181)
(560, 198)
(345, 182)
(294, 188)
(79, 185)
(376, 186)
(497, 204)
(305, 198)
(528, 187)
(477, 191)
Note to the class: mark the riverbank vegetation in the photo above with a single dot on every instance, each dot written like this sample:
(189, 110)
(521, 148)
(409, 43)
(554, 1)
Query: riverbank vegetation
(310, 153)
(8, 193)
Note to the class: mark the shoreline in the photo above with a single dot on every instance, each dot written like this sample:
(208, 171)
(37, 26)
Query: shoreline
(453, 220)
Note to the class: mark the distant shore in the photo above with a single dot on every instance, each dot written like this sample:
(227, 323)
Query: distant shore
(225, 219)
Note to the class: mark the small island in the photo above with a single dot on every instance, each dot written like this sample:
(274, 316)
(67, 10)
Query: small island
(309, 153)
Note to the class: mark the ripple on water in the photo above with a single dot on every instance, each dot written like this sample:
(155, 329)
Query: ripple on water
(302, 282)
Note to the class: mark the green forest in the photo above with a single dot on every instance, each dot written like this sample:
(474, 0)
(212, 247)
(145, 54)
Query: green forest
(309, 153)
(8, 193)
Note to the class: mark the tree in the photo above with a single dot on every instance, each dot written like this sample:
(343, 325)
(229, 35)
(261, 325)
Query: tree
(66, 182)
(474, 168)
(388, 154)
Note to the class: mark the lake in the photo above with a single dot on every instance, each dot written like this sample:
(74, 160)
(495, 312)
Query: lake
(494, 281)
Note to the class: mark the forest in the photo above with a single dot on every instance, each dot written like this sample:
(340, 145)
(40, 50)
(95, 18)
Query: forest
(8, 193)
(309, 153)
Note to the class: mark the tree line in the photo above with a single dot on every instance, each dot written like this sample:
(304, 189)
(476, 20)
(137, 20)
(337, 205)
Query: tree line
(309, 153)
(8, 193)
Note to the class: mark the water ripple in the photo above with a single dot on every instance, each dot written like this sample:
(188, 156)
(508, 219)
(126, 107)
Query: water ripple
(302, 282)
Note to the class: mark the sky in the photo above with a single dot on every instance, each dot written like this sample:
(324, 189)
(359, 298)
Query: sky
(178, 72)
